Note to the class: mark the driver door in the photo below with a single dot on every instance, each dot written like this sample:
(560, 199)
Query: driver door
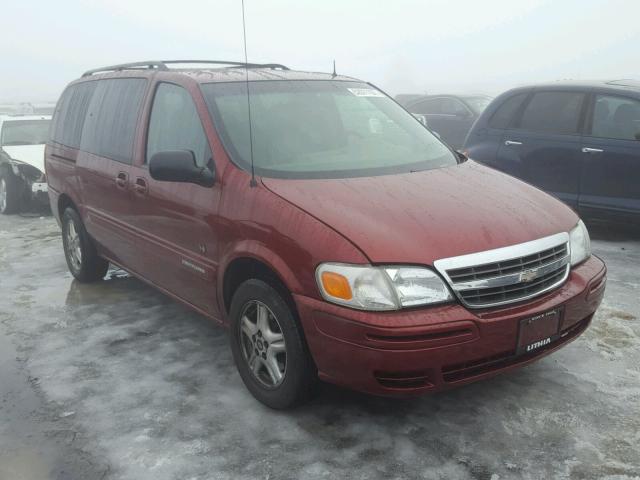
(176, 221)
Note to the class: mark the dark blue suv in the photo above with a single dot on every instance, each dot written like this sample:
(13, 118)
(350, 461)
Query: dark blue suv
(579, 142)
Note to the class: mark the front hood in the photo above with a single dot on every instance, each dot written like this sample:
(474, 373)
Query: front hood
(30, 154)
(424, 216)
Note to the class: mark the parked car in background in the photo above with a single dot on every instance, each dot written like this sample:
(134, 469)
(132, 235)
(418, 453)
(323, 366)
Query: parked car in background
(350, 245)
(579, 142)
(405, 98)
(22, 178)
(451, 116)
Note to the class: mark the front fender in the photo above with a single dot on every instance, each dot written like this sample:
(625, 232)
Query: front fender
(256, 250)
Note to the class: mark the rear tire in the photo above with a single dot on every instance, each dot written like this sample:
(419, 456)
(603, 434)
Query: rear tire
(80, 251)
(268, 347)
(10, 192)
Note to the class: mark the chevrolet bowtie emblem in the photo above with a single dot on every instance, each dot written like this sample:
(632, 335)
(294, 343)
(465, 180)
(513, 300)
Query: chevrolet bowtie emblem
(528, 275)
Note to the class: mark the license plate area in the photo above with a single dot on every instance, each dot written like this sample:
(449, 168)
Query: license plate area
(538, 331)
(39, 187)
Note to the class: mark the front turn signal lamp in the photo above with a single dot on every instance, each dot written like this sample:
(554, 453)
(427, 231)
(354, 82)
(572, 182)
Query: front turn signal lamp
(336, 285)
(380, 288)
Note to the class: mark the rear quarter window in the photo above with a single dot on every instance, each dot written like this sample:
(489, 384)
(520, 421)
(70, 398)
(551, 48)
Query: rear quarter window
(616, 117)
(504, 114)
(432, 106)
(112, 117)
(70, 114)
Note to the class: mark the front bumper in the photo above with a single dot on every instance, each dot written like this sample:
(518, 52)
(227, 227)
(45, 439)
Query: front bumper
(415, 351)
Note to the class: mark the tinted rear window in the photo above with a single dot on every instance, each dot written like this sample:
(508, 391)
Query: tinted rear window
(70, 114)
(478, 104)
(553, 112)
(504, 114)
(616, 117)
(110, 125)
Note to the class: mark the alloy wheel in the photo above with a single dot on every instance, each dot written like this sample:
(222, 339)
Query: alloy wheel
(262, 343)
(74, 248)
(3, 194)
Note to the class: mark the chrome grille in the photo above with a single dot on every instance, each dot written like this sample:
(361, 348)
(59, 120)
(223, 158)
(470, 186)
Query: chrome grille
(509, 274)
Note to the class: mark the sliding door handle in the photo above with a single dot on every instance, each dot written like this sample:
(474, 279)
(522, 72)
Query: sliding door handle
(510, 143)
(122, 179)
(140, 186)
(592, 150)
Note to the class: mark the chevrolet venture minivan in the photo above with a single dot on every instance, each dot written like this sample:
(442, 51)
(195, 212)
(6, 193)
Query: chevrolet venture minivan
(333, 234)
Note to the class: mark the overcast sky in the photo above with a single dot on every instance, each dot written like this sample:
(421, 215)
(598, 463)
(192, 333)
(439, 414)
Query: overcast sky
(401, 46)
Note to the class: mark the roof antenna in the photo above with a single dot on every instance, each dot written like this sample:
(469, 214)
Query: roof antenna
(334, 74)
(253, 182)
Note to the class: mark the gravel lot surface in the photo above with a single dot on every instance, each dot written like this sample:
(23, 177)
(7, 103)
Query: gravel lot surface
(117, 381)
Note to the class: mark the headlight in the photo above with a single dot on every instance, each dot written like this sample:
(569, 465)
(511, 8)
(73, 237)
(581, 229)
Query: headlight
(380, 288)
(580, 244)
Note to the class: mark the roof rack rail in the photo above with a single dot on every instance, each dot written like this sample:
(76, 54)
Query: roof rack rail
(162, 65)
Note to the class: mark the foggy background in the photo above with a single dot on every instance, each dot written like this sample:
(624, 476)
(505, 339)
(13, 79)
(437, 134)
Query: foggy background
(401, 46)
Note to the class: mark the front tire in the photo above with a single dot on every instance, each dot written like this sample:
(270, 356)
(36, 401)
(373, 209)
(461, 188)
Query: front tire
(268, 346)
(10, 192)
(80, 251)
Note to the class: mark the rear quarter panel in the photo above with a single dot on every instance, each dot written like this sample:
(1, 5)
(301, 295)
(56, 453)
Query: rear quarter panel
(60, 169)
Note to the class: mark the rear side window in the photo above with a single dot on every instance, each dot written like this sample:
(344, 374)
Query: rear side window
(432, 106)
(59, 114)
(175, 125)
(112, 117)
(504, 114)
(616, 117)
(441, 106)
(453, 106)
(553, 112)
(70, 114)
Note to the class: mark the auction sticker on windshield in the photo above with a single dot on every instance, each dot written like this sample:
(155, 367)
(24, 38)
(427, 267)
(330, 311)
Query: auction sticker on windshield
(366, 92)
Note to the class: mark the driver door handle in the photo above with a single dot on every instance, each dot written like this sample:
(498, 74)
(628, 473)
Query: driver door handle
(592, 150)
(510, 143)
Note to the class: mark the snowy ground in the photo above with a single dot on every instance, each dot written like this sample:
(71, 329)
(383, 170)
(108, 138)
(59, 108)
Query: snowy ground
(117, 381)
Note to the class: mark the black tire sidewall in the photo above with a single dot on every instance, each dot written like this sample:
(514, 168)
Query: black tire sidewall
(300, 374)
(92, 267)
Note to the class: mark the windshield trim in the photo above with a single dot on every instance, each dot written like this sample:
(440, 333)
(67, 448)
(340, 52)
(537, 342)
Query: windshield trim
(236, 159)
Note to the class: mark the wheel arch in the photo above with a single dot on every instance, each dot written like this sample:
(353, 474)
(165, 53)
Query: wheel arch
(256, 262)
(65, 201)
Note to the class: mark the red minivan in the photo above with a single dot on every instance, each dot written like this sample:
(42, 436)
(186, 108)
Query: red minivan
(334, 234)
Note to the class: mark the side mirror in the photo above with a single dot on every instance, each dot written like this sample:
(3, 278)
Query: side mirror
(179, 166)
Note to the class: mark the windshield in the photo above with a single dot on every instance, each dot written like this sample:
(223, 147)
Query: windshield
(321, 129)
(478, 104)
(25, 132)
